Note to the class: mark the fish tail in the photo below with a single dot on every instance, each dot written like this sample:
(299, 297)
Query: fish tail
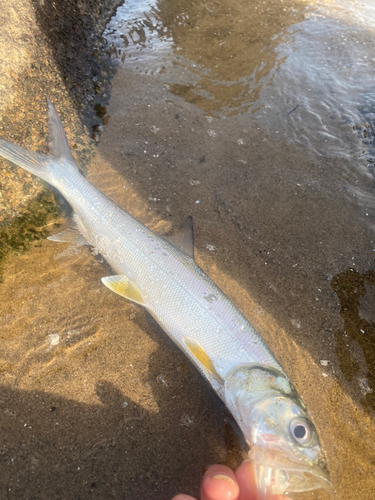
(30, 161)
(35, 163)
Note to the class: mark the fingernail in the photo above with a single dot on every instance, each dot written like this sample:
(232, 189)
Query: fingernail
(219, 486)
(224, 478)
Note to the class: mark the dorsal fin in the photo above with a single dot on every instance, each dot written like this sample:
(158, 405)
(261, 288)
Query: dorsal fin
(184, 238)
(58, 142)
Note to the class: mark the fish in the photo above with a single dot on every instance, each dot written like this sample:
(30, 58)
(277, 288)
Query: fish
(162, 276)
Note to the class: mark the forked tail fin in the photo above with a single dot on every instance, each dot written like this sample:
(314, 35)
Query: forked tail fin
(30, 161)
(40, 164)
(58, 142)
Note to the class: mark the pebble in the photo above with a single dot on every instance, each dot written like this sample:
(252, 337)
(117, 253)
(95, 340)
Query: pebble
(160, 378)
(54, 339)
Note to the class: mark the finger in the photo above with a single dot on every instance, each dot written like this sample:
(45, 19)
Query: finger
(181, 496)
(219, 483)
(246, 481)
(248, 488)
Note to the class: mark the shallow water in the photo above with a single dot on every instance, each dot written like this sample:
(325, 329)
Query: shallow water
(272, 140)
(302, 68)
(258, 120)
(297, 75)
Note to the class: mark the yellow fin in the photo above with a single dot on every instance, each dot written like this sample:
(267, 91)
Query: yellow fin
(200, 354)
(124, 286)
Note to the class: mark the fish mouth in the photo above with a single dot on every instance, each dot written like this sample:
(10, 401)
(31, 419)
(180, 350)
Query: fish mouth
(276, 474)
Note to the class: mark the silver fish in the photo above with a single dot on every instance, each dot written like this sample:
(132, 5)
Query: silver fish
(199, 318)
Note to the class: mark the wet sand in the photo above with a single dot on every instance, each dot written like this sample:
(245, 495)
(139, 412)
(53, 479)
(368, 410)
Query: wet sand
(95, 401)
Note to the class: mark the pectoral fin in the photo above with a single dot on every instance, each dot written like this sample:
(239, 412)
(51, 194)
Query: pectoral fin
(125, 287)
(200, 355)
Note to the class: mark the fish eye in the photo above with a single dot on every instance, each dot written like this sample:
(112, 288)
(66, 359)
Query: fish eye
(303, 432)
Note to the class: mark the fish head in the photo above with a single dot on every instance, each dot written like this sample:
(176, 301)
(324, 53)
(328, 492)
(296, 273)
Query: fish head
(284, 445)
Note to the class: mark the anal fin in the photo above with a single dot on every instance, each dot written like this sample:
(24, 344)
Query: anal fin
(125, 287)
(71, 235)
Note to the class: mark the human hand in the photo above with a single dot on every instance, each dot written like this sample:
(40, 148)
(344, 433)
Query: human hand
(221, 483)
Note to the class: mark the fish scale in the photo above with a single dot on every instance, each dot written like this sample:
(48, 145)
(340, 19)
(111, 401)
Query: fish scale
(172, 285)
(197, 316)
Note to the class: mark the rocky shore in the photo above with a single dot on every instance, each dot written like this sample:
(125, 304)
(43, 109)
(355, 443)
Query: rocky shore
(54, 50)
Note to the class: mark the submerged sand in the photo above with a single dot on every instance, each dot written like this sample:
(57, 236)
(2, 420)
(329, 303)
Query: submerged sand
(96, 401)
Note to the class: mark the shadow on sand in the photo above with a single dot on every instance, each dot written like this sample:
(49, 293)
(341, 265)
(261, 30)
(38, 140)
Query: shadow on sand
(53, 447)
